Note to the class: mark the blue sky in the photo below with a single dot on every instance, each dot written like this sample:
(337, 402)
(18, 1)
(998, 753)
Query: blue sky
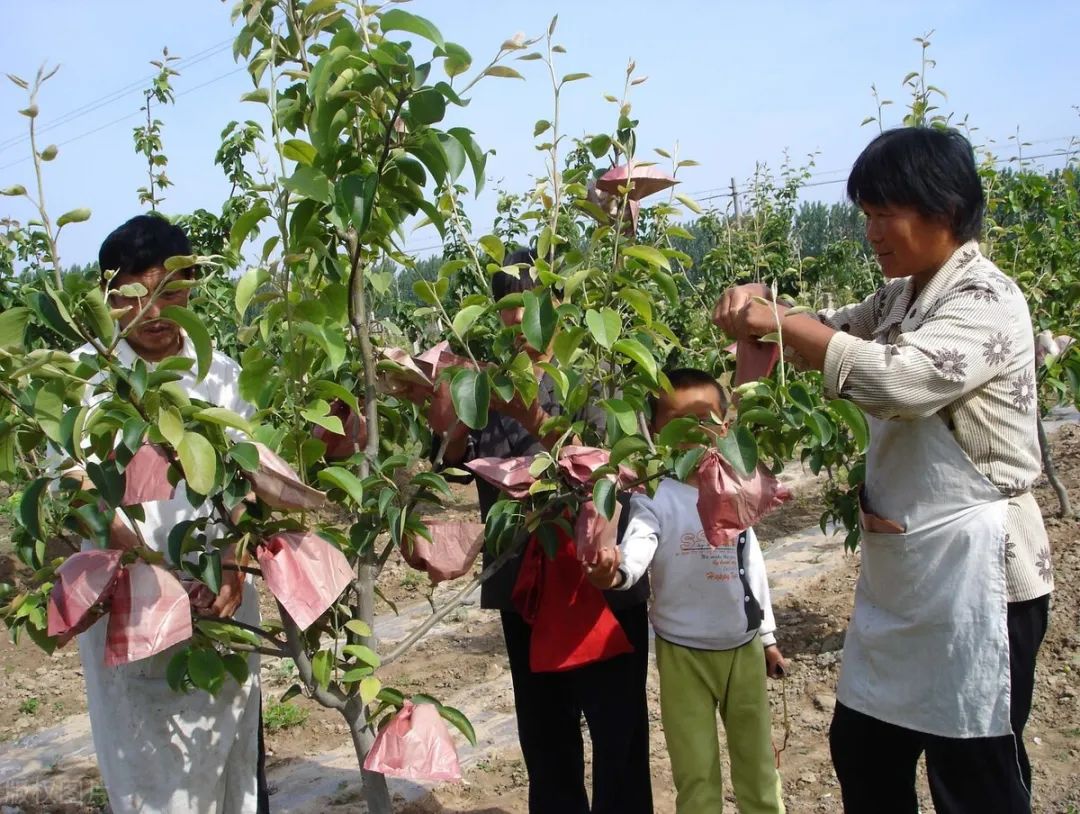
(733, 84)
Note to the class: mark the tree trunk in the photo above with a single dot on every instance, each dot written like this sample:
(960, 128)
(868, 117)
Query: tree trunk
(376, 793)
(1065, 507)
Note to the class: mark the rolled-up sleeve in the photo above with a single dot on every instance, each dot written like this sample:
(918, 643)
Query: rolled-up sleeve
(957, 348)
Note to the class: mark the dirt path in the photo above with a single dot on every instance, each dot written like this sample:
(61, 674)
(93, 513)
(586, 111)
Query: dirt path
(46, 758)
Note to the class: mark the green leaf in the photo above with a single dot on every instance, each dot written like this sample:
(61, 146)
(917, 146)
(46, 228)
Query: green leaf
(801, 397)
(246, 222)
(605, 326)
(648, 254)
(604, 497)
(466, 317)
(245, 454)
(246, 287)
(344, 480)
(206, 669)
(359, 627)
(540, 319)
(638, 353)
(30, 508)
(13, 324)
(177, 670)
(739, 448)
(369, 689)
(574, 77)
(566, 344)
(503, 71)
(675, 431)
(625, 447)
(427, 106)
(299, 151)
(74, 216)
(224, 418)
(398, 20)
(199, 461)
(356, 199)
(97, 315)
(363, 653)
(477, 157)
(623, 415)
(458, 60)
(541, 126)
(197, 334)
(855, 420)
(459, 721)
(493, 247)
(49, 410)
(759, 415)
(237, 666)
(821, 427)
(310, 183)
(321, 666)
(689, 203)
(688, 462)
(470, 392)
(171, 425)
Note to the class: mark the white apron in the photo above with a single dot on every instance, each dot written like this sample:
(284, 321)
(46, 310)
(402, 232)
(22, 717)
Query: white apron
(927, 647)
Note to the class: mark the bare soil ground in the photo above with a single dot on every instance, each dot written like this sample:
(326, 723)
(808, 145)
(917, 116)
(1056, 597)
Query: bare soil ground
(37, 691)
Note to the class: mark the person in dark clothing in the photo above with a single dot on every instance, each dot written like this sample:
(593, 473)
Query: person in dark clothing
(549, 705)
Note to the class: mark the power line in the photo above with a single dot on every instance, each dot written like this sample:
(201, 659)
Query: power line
(127, 116)
(116, 95)
(844, 180)
(846, 171)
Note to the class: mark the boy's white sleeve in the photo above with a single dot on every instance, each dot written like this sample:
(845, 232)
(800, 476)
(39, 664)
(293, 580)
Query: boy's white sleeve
(640, 540)
(759, 583)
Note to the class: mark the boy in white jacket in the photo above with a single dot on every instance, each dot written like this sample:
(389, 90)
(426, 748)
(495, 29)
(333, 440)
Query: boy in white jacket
(713, 620)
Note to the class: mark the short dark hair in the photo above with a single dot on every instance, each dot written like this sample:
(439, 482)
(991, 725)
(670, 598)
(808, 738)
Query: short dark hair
(930, 169)
(504, 283)
(142, 243)
(683, 378)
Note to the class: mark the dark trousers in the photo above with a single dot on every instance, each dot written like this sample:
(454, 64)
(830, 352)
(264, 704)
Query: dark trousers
(875, 761)
(260, 769)
(611, 696)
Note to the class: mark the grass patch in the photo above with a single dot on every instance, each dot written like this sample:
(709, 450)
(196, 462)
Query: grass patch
(277, 716)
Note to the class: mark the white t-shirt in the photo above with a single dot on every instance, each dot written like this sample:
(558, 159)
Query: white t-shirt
(220, 388)
(703, 597)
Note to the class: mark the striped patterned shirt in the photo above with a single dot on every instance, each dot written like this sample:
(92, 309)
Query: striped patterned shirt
(962, 347)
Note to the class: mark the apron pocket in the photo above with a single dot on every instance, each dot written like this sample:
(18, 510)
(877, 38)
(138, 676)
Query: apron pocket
(888, 576)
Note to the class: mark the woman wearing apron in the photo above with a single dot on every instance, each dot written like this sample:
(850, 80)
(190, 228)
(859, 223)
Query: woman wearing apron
(953, 594)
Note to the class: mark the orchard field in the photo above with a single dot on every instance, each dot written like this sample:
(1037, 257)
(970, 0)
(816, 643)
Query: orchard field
(301, 278)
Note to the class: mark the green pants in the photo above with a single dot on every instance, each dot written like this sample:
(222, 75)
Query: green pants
(693, 685)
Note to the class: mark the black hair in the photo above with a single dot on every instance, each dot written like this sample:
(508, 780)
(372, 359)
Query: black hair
(930, 169)
(683, 378)
(142, 243)
(504, 283)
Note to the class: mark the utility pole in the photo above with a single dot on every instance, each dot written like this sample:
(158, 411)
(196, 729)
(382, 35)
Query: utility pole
(735, 198)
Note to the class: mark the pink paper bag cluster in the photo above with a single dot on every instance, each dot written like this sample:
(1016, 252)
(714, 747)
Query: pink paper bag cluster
(149, 609)
(277, 485)
(728, 503)
(451, 552)
(415, 745)
(304, 572)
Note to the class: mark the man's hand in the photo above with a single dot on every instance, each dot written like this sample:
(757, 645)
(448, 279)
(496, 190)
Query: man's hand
(604, 571)
(229, 597)
(775, 664)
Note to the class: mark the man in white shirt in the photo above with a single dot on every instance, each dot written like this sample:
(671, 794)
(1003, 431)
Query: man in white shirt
(161, 751)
